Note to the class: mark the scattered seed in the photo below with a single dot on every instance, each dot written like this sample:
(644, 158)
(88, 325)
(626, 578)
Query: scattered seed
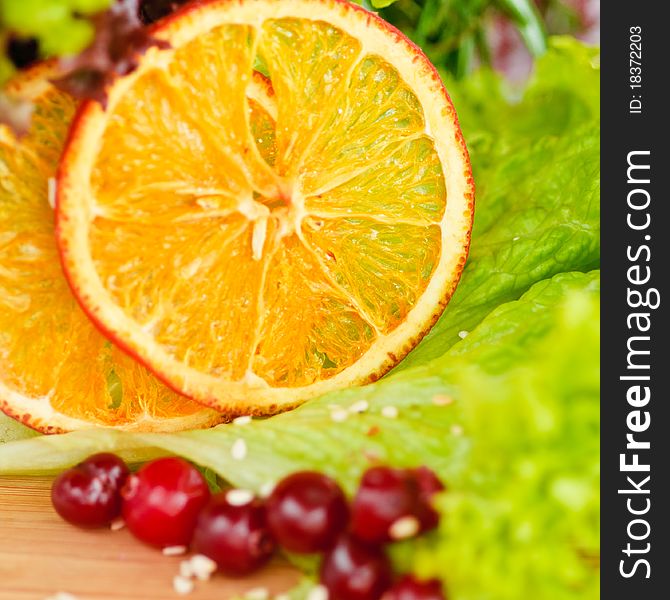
(456, 430)
(442, 400)
(390, 412)
(182, 585)
(246, 419)
(259, 593)
(239, 497)
(185, 569)
(117, 524)
(404, 528)
(339, 415)
(318, 592)
(266, 489)
(463, 334)
(359, 407)
(371, 456)
(174, 550)
(515, 238)
(202, 566)
(239, 450)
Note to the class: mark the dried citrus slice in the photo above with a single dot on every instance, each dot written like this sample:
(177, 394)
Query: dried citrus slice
(252, 284)
(57, 372)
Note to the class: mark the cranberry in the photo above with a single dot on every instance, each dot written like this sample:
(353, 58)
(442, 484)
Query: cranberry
(162, 500)
(88, 495)
(384, 496)
(410, 588)
(85, 500)
(234, 535)
(393, 504)
(352, 570)
(429, 485)
(306, 512)
(108, 467)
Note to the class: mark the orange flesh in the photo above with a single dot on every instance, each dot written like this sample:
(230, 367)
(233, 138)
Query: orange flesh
(289, 266)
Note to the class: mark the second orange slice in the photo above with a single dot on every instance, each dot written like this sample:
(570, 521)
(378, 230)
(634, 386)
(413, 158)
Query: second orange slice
(57, 372)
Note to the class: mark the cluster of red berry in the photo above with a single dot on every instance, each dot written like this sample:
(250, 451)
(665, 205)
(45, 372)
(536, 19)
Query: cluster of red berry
(168, 503)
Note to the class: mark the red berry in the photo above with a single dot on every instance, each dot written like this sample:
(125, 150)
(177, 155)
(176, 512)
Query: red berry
(234, 536)
(306, 512)
(162, 500)
(392, 504)
(352, 570)
(85, 500)
(429, 485)
(384, 496)
(88, 495)
(108, 467)
(409, 588)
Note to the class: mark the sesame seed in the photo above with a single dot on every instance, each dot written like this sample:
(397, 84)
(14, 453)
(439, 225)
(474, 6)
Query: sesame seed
(259, 593)
(390, 412)
(442, 400)
(62, 596)
(117, 524)
(239, 497)
(516, 238)
(174, 550)
(185, 569)
(404, 528)
(202, 566)
(266, 489)
(339, 415)
(456, 430)
(182, 585)
(463, 334)
(239, 449)
(359, 407)
(282, 597)
(318, 592)
(244, 420)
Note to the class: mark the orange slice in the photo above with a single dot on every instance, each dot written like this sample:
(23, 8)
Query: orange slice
(57, 372)
(252, 284)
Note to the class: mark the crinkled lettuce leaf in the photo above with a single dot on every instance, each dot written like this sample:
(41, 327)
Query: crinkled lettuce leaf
(536, 164)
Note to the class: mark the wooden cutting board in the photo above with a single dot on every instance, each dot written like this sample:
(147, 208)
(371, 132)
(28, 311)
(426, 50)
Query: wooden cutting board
(41, 555)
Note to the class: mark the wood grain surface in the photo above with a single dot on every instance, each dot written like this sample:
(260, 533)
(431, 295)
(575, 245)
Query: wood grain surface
(41, 555)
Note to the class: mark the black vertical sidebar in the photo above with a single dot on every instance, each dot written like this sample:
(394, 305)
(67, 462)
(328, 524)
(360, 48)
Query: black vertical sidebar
(635, 414)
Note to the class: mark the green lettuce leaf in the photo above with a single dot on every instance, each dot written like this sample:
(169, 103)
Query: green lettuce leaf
(536, 164)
